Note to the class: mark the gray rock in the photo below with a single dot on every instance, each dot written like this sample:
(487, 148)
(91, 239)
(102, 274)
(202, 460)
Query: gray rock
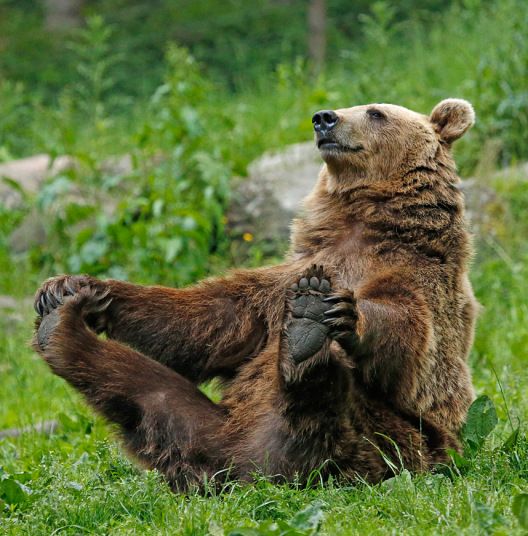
(290, 174)
(42, 427)
(29, 233)
(483, 206)
(14, 310)
(28, 174)
(265, 202)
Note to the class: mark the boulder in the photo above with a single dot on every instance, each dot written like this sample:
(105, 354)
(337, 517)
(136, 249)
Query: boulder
(27, 174)
(265, 202)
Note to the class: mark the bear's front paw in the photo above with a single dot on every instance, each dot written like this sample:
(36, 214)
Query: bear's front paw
(306, 330)
(342, 318)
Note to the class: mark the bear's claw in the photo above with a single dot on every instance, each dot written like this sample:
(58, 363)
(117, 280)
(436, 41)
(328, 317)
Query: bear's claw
(342, 318)
(53, 291)
(86, 305)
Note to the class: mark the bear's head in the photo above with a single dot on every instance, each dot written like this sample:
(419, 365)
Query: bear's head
(384, 141)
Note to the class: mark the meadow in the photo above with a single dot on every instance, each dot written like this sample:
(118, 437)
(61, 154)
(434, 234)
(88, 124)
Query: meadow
(187, 137)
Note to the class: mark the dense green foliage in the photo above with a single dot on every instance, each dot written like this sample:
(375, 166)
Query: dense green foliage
(169, 209)
(191, 93)
(190, 134)
(238, 41)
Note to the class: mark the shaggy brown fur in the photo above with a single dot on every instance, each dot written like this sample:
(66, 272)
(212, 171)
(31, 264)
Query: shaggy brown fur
(358, 368)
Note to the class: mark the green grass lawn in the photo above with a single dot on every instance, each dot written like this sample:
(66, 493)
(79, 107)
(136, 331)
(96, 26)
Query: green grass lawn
(77, 480)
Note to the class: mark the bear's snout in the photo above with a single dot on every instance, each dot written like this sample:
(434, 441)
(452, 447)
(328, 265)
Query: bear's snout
(324, 121)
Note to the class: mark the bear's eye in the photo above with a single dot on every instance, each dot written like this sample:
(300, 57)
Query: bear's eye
(376, 114)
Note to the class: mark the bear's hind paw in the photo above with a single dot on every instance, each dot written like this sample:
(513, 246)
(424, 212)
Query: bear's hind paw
(305, 329)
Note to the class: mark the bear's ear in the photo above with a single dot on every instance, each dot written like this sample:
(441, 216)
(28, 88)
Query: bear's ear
(451, 118)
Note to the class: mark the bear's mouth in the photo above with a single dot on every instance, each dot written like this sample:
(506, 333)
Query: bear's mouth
(329, 144)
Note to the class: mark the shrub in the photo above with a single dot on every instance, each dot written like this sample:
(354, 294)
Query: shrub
(163, 219)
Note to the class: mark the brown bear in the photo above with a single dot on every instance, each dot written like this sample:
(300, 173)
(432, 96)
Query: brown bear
(349, 358)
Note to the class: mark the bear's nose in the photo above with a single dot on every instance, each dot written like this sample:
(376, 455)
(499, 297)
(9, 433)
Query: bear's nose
(324, 120)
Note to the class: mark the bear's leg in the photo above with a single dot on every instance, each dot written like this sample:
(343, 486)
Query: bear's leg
(167, 423)
(200, 332)
(315, 383)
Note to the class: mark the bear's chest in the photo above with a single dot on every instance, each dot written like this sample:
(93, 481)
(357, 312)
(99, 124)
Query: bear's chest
(347, 258)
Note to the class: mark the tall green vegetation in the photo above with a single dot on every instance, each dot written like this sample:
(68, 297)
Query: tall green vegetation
(238, 41)
(163, 218)
(188, 134)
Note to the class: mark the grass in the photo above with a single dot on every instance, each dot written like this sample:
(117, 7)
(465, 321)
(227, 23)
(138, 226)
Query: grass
(77, 481)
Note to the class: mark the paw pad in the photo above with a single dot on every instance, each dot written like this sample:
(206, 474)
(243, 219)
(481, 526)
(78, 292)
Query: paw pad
(306, 330)
(314, 283)
(46, 328)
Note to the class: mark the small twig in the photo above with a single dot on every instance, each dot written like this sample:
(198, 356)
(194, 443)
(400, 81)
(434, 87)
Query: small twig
(44, 427)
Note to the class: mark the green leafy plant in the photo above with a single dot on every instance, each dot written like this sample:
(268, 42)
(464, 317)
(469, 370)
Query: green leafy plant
(94, 60)
(164, 218)
(304, 523)
(480, 422)
(13, 492)
(16, 119)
